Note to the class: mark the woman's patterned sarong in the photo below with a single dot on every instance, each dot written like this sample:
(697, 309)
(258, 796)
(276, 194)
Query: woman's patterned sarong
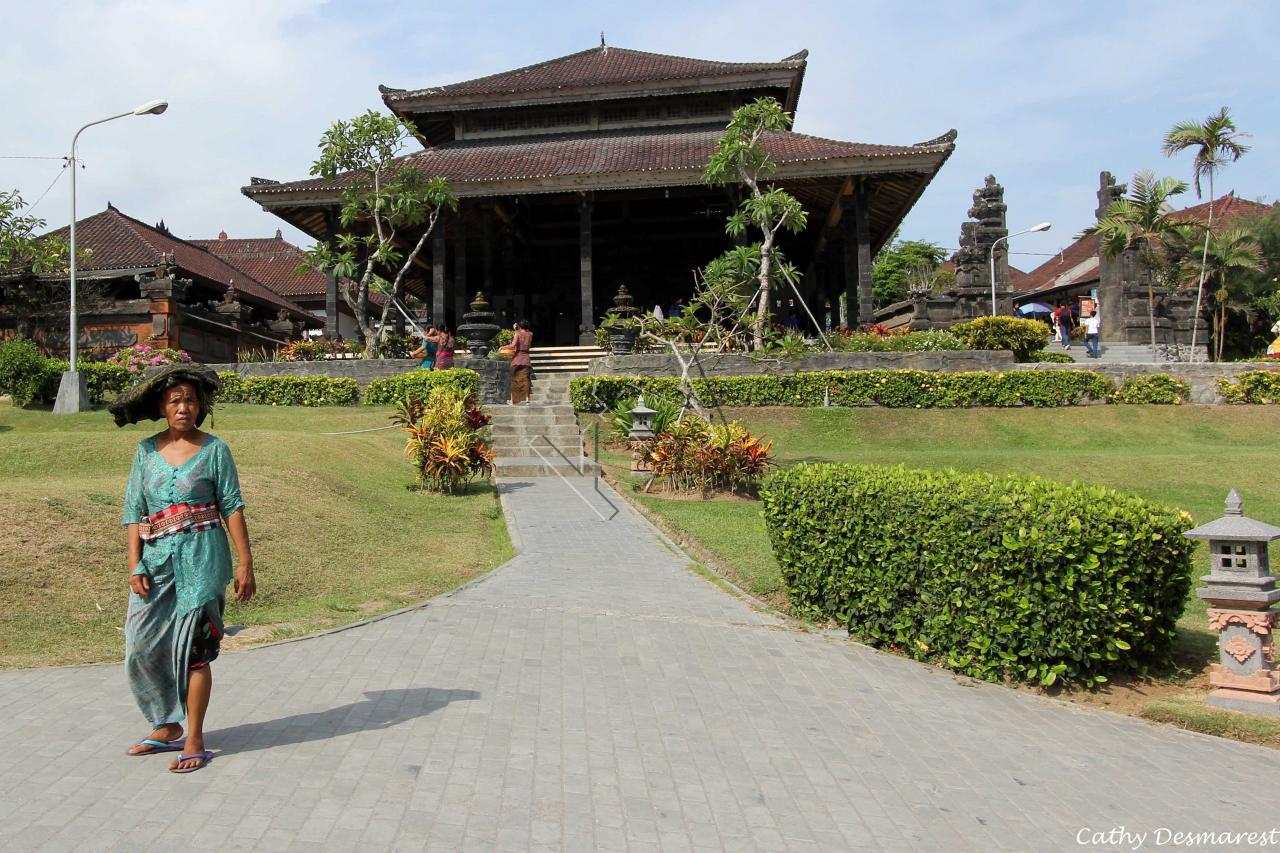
(161, 647)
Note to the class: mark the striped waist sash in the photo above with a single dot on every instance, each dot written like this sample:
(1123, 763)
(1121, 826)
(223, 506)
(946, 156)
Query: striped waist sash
(180, 518)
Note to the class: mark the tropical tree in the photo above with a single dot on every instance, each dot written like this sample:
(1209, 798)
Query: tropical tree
(383, 198)
(1233, 253)
(901, 266)
(22, 252)
(1142, 221)
(740, 158)
(1215, 142)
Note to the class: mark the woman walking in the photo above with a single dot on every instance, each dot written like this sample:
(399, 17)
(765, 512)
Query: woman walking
(445, 344)
(520, 367)
(427, 351)
(181, 501)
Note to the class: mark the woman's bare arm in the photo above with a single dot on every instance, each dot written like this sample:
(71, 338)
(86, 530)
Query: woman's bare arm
(245, 583)
(140, 584)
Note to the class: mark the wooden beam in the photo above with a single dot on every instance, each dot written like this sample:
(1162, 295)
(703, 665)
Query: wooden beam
(833, 215)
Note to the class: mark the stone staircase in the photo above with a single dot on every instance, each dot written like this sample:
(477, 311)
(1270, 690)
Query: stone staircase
(547, 361)
(540, 439)
(1114, 353)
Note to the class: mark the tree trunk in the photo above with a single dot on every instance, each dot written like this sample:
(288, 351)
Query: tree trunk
(1151, 314)
(762, 311)
(1204, 259)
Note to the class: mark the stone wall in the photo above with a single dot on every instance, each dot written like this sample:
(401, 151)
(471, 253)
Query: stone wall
(1202, 378)
(495, 376)
(715, 364)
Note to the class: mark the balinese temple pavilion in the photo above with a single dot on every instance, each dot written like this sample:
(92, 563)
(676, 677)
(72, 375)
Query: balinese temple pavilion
(583, 173)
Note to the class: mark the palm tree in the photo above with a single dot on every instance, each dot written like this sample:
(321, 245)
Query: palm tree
(1216, 143)
(1231, 252)
(1142, 221)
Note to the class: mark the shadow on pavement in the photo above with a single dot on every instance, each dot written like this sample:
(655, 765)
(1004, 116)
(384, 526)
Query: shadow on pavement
(381, 709)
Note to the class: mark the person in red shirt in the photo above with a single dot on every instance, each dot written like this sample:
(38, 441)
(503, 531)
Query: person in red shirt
(1063, 322)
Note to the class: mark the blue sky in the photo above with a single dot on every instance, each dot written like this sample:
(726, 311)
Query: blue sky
(1044, 95)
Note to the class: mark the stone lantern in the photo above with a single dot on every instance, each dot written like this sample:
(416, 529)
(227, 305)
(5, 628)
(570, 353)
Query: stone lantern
(1240, 591)
(641, 434)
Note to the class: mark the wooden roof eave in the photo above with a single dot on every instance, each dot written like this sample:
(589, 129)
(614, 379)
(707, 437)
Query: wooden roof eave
(926, 161)
(423, 102)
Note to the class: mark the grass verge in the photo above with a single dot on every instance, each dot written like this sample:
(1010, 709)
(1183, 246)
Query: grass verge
(338, 534)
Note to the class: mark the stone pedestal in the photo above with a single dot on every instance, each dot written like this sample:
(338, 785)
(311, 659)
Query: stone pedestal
(164, 293)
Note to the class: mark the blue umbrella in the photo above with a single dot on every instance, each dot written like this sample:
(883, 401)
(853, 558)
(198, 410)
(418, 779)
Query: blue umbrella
(1035, 308)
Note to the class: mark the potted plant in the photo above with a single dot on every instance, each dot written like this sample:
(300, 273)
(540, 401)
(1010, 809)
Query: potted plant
(622, 332)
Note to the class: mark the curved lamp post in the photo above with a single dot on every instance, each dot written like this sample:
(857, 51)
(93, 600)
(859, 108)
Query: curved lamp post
(73, 395)
(1043, 226)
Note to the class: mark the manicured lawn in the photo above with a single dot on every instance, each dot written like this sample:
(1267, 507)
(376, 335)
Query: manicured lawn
(337, 534)
(1185, 456)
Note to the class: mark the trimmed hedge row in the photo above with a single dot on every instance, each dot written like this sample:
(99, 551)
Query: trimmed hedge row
(418, 384)
(1158, 388)
(105, 380)
(891, 388)
(1251, 386)
(1012, 577)
(288, 390)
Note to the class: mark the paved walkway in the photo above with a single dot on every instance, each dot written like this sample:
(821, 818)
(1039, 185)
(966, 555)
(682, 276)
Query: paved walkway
(593, 694)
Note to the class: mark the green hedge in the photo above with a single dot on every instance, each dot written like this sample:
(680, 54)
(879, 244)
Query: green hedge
(288, 390)
(1051, 357)
(1011, 577)
(891, 388)
(1158, 388)
(1251, 386)
(1019, 336)
(104, 379)
(417, 385)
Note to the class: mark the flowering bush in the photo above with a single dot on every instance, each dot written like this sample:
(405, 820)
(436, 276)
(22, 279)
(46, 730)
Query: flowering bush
(693, 457)
(140, 358)
(448, 435)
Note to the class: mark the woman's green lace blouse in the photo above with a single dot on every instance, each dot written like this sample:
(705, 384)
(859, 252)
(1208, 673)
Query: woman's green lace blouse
(201, 559)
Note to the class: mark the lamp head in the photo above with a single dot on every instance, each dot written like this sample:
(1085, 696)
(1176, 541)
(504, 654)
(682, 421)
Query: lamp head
(151, 108)
(1043, 226)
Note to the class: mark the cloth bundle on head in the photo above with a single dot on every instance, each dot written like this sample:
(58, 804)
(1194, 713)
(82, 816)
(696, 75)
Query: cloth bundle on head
(141, 401)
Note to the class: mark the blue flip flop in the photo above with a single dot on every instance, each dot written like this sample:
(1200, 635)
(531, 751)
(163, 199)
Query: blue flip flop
(204, 757)
(158, 746)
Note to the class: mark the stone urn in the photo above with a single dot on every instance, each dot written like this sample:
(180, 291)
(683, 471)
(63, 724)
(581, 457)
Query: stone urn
(478, 327)
(622, 327)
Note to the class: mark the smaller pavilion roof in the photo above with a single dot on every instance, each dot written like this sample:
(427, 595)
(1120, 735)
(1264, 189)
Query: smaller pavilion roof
(270, 260)
(120, 242)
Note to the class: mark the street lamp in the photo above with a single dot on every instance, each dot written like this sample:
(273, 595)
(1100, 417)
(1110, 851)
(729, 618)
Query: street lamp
(1043, 226)
(73, 394)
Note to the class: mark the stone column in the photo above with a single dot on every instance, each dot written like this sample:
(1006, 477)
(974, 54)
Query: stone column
(164, 292)
(1111, 271)
(587, 326)
(437, 271)
(862, 233)
(460, 284)
(850, 257)
(331, 324)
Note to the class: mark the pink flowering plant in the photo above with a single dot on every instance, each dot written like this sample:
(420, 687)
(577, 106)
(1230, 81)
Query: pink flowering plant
(140, 358)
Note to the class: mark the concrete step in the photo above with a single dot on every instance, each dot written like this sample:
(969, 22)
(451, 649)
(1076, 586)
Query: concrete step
(1116, 354)
(577, 466)
(538, 450)
(552, 431)
(541, 419)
